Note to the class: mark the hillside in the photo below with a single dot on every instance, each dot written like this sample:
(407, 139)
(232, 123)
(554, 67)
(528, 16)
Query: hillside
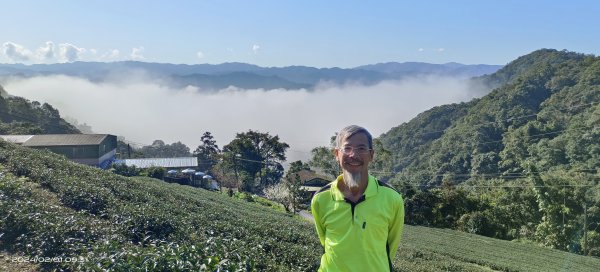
(21, 116)
(520, 163)
(50, 207)
(545, 100)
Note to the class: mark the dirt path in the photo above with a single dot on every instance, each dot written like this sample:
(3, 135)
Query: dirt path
(306, 215)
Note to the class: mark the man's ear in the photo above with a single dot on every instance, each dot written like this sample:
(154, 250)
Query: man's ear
(334, 152)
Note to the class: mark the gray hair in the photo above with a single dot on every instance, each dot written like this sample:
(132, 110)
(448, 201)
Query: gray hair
(350, 131)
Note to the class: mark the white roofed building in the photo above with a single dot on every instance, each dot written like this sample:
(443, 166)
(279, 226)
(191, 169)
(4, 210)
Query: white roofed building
(171, 163)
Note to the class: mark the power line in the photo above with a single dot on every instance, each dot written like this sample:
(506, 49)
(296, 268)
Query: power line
(492, 122)
(505, 186)
(498, 141)
(490, 174)
(514, 118)
(506, 120)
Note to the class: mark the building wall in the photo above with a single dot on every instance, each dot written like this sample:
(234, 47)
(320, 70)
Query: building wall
(74, 152)
(109, 144)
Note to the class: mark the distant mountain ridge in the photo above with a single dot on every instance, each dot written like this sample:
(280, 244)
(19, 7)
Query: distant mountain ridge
(415, 68)
(248, 76)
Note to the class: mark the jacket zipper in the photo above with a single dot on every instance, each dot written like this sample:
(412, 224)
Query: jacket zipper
(353, 205)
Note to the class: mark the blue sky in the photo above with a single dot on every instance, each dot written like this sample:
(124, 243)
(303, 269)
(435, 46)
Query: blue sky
(283, 33)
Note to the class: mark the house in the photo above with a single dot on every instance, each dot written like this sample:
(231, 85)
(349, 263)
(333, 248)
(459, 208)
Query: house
(311, 181)
(91, 149)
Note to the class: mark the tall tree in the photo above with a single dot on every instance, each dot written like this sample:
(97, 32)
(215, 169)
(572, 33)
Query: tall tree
(293, 183)
(159, 149)
(323, 159)
(257, 158)
(560, 205)
(208, 152)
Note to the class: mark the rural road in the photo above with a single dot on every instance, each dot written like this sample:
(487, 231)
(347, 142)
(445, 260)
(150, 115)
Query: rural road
(306, 215)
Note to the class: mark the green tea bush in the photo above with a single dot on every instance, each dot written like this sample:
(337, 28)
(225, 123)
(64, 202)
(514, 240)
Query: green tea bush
(113, 223)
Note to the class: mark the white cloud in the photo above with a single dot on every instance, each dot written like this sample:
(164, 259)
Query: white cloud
(147, 109)
(63, 52)
(137, 53)
(200, 55)
(441, 49)
(420, 49)
(111, 55)
(16, 52)
(46, 53)
(69, 52)
(256, 48)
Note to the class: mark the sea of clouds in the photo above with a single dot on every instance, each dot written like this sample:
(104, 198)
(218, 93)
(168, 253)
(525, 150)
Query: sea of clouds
(142, 110)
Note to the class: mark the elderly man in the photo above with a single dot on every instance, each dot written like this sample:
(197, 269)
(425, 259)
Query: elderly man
(359, 219)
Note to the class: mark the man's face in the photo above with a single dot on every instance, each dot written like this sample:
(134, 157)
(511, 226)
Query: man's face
(354, 161)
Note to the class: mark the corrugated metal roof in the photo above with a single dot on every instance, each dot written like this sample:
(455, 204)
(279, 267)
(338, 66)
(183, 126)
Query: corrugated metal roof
(17, 139)
(65, 139)
(163, 162)
(310, 188)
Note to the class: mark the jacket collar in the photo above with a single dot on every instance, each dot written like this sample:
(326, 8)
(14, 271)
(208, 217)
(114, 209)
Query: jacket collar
(370, 191)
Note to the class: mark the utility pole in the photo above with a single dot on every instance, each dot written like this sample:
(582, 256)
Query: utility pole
(237, 177)
(585, 236)
(563, 210)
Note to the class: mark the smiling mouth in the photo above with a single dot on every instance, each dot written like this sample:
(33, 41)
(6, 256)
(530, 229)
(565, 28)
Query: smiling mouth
(355, 163)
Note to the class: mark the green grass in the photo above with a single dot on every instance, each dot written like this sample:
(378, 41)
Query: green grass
(50, 207)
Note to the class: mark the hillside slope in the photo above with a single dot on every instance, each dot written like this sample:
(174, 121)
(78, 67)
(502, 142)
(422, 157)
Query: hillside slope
(545, 111)
(50, 207)
(521, 163)
(21, 116)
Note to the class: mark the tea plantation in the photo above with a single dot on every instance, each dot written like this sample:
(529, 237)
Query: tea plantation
(50, 207)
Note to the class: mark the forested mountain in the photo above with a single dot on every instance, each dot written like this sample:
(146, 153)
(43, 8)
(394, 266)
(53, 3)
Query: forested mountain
(545, 111)
(522, 162)
(21, 116)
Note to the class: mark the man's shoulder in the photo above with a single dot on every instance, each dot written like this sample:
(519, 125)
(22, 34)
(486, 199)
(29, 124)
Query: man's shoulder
(322, 195)
(389, 189)
(324, 189)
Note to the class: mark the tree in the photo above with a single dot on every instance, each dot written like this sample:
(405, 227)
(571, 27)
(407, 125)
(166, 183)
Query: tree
(207, 153)
(159, 149)
(383, 161)
(126, 150)
(561, 209)
(323, 159)
(278, 193)
(293, 184)
(156, 172)
(222, 172)
(256, 157)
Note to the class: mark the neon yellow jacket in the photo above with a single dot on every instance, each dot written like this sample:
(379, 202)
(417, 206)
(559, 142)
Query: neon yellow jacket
(358, 237)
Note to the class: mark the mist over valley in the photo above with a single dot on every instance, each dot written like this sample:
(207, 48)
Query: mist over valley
(143, 105)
